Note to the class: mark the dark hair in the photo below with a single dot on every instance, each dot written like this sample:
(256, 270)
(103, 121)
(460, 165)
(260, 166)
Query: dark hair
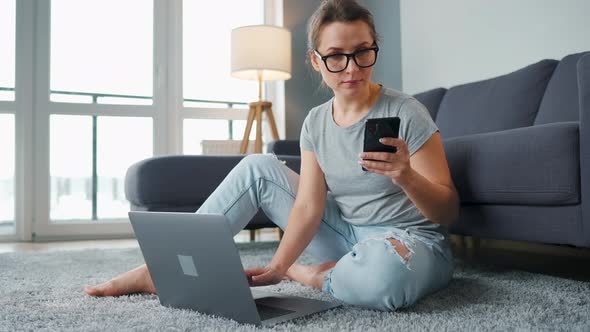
(337, 11)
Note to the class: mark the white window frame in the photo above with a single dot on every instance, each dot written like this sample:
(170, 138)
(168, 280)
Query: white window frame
(21, 108)
(32, 109)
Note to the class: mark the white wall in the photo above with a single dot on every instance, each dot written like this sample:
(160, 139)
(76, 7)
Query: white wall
(445, 43)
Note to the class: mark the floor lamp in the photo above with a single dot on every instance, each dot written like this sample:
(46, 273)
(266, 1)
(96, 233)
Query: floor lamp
(260, 53)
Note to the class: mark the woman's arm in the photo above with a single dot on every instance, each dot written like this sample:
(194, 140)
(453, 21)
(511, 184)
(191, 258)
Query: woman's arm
(424, 177)
(304, 220)
(429, 185)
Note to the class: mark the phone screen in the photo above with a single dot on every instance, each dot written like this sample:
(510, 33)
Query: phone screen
(379, 128)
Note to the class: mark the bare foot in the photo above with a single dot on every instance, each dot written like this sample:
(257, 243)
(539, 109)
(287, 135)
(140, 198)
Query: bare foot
(309, 275)
(137, 280)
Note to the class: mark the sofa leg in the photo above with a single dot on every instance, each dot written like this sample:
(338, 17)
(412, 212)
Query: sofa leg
(473, 243)
(252, 235)
(458, 242)
(476, 243)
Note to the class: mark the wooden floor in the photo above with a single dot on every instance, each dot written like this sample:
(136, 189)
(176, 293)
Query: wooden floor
(266, 234)
(562, 261)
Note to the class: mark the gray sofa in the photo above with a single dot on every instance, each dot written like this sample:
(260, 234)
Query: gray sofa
(518, 147)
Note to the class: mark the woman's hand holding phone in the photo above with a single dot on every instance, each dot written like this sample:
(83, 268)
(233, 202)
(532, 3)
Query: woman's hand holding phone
(383, 152)
(395, 165)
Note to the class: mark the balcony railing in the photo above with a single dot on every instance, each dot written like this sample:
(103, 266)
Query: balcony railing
(94, 98)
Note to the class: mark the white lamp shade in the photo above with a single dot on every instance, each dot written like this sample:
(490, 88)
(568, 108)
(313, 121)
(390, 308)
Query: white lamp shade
(261, 51)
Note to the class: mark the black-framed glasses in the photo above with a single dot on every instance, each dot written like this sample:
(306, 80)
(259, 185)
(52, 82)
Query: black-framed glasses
(338, 62)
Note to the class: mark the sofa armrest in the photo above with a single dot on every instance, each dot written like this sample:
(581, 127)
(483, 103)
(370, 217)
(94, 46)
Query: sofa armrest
(176, 180)
(584, 95)
(182, 180)
(537, 165)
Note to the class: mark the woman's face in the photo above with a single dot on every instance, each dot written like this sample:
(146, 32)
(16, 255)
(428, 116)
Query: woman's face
(341, 37)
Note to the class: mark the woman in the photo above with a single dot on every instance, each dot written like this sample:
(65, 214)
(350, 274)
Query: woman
(381, 235)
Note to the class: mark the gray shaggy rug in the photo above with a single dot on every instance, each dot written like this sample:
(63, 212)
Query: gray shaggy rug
(43, 291)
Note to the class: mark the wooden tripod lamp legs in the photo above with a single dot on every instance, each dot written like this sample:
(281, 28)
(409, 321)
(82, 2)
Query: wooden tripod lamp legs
(255, 114)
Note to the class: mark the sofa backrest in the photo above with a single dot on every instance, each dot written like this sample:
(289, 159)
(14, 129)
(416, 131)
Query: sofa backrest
(504, 102)
(561, 99)
(284, 147)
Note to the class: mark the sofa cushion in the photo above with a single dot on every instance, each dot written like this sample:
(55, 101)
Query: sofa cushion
(537, 165)
(560, 102)
(431, 99)
(505, 102)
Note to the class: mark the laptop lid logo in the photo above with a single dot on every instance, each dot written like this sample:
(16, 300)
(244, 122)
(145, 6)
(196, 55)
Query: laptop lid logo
(188, 265)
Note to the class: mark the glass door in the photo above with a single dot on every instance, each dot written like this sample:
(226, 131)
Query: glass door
(95, 112)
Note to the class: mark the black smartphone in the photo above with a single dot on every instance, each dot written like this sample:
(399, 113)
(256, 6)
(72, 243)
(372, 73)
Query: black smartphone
(379, 128)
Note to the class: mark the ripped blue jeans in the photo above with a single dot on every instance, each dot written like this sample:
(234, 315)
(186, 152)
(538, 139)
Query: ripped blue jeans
(369, 271)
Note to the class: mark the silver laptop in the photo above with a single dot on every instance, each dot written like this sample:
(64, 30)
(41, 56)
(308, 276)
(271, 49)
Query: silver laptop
(194, 264)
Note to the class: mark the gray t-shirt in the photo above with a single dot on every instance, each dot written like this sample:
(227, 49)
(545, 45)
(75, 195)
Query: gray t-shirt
(367, 198)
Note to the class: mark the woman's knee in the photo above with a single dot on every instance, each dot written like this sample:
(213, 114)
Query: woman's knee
(259, 164)
(256, 160)
(372, 275)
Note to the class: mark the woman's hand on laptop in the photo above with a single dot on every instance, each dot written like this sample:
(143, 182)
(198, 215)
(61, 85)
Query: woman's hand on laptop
(263, 276)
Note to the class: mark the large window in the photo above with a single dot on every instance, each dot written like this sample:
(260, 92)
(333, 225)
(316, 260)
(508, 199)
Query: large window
(94, 63)
(102, 51)
(7, 122)
(207, 82)
(90, 87)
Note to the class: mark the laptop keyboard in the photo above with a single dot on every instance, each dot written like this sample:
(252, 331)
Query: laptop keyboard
(268, 312)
